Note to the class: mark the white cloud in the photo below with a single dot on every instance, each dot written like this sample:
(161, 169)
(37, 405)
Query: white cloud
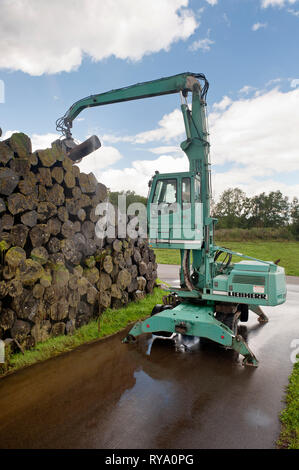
(246, 89)
(102, 158)
(258, 26)
(203, 44)
(278, 3)
(66, 31)
(294, 82)
(254, 133)
(138, 175)
(223, 104)
(8, 134)
(212, 2)
(249, 182)
(170, 126)
(166, 149)
(273, 81)
(226, 19)
(42, 141)
(293, 12)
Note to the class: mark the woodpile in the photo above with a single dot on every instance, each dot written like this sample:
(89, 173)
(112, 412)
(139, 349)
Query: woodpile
(55, 274)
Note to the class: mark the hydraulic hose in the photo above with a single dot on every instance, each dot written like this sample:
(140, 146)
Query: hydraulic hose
(186, 272)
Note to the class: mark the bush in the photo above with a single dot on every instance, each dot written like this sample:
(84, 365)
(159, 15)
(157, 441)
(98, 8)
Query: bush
(255, 233)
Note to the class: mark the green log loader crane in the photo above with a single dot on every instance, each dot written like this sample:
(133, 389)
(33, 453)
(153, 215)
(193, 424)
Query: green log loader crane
(214, 292)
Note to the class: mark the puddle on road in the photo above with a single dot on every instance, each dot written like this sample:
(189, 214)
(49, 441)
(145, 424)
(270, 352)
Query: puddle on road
(152, 394)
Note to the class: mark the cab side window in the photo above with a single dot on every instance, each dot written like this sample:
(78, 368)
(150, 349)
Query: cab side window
(196, 190)
(186, 191)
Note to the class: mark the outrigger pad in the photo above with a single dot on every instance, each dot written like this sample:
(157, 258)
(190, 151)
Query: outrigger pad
(262, 317)
(242, 347)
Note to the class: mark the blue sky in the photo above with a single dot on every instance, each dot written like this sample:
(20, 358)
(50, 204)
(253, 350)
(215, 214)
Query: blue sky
(54, 53)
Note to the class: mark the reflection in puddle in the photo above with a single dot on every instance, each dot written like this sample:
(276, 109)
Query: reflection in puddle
(181, 343)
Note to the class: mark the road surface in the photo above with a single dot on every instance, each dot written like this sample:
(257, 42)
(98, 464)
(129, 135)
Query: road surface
(111, 395)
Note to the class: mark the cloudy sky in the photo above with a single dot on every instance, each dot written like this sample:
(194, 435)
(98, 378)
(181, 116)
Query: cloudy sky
(54, 53)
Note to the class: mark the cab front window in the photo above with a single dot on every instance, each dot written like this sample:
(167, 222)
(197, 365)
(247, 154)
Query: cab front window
(165, 191)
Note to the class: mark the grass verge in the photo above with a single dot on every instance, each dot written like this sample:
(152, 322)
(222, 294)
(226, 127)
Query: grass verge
(289, 436)
(112, 321)
(287, 252)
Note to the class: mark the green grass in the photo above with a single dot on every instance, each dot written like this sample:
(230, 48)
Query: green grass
(288, 252)
(289, 436)
(111, 322)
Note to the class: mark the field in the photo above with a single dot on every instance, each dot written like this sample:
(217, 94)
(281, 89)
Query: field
(286, 251)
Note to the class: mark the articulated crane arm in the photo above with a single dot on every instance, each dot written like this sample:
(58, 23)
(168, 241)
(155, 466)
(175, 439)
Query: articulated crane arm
(182, 82)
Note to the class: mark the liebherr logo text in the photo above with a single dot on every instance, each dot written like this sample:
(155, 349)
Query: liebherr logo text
(247, 295)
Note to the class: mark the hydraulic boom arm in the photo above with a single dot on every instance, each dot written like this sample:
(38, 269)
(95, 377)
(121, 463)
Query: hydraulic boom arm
(182, 82)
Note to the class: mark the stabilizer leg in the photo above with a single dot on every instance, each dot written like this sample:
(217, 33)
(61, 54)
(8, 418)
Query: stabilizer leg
(242, 347)
(262, 317)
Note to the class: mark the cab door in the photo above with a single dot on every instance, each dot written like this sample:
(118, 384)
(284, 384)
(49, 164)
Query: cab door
(165, 211)
(186, 208)
(192, 223)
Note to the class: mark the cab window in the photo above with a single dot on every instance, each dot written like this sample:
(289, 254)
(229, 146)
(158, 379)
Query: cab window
(196, 190)
(165, 191)
(186, 190)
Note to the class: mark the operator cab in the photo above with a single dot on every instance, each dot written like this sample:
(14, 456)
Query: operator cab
(174, 210)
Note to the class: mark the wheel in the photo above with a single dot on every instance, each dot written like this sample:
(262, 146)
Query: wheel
(244, 312)
(131, 339)
(231, 320)
(157, 309)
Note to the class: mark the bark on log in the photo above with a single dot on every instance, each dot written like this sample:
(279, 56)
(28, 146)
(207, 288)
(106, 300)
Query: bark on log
(44, 177)
(124, 279)
(105, 299)
(40, 255)
(54, 226)
(7, 319)
(104, 282)
(6, 153)
(6, 222)
(57, 174)
(39, 235)
(17, 203)
(20, 144)
(20, 330)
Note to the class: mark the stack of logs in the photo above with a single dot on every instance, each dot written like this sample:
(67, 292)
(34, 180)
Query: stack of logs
(55, 274)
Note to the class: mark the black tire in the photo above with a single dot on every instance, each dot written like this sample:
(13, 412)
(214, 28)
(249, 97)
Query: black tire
(244, 312)
(157, 308)
(230, 320)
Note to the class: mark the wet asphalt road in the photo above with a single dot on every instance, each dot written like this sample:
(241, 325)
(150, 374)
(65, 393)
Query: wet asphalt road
(116, 396)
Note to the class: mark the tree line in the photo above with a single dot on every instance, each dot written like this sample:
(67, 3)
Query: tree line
(235, 209)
